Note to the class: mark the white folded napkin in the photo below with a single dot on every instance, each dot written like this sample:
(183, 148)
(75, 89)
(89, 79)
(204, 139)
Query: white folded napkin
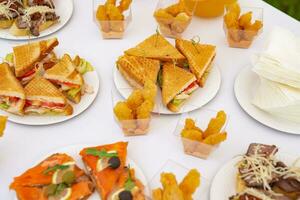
(278, 99)
(280, 62)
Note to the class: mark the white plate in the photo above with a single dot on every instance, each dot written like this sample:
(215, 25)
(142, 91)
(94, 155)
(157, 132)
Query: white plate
(90, 78)
(226, 176)
(245, 86)
(74, 151)
(63, 8)
(198, 99)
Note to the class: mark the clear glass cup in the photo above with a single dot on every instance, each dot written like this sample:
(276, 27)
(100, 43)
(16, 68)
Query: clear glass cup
(111, 29)
(238, 38)
(171, 25)
(134, 127)
(180, 172)
(202, 118)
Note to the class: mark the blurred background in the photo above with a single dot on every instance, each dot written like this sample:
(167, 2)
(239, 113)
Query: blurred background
(290, 7)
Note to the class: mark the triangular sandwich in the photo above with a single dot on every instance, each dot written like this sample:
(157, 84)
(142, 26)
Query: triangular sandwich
(177, 86)
(136, 70)
(199, 56)
(12, 95)
(156, 47)
(29, 58)
(67, 78)
(42, 97)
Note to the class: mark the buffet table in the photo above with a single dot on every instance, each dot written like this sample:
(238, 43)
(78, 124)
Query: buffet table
(23, 145)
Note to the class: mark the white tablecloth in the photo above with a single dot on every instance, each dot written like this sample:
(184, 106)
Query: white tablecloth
(23, 145)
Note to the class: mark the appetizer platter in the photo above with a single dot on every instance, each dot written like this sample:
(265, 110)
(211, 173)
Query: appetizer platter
(30, 19)
(260, 174)
(186, 75)
(38, 88)
(82, 172)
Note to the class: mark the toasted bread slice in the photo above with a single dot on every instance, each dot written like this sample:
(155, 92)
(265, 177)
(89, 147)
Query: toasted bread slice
(5, 24)
(32, 183)
(11, 87)
(175, 80)
(65, 71)
(14, 30)
(199, 56)
(26, 56)
(136, 70)
(105, 180)
(156, 47)
(42, 90)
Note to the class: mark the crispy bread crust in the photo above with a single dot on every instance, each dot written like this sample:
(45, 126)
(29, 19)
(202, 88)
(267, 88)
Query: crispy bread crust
(5, 24)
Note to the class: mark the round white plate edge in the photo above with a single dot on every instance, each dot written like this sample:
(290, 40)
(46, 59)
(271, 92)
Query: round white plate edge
(74, 147)
(44, 33)
(231, 163)
(59, 119)
(246, 108)
(188, 108)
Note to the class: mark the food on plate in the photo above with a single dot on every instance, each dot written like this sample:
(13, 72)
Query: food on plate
(29, 59)
(134, 114)
(9, 11)
(128, 187)
(56, 177)
(111, 18)
(199, 142)
(171, 190)
(177, 86)
(37, 16)
(174, 19)
(156, 47)
(12, 95)
(262, 176)
(107, 167)
(136, 70)
(42, 97)
(67, 78)
(240, 28)
(278, 92)
(3, 120)
(199, 57)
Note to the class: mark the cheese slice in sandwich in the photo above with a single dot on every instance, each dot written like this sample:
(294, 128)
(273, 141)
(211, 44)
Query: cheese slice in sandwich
(136, 70)
(29, 58)
(67, 78)
(177, 86)
(156, 47)
(199, 56)
(12, 95)
(42, 97)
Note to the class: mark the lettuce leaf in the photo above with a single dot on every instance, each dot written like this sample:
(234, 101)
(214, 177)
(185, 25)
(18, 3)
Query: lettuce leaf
(177, 102)
(84, 66)
(4, 106)
(9, 58)
(73, 92)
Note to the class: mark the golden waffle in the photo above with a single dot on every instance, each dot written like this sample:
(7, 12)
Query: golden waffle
(157, 47)
(175, 80)
(138, 69)
(40, 87)
(199, 57)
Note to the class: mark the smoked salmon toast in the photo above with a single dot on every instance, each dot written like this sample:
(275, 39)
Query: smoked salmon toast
(105, 165)
(56, 178)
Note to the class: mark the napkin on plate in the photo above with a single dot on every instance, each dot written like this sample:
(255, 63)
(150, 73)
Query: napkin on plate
(280, 62)
(279, 70)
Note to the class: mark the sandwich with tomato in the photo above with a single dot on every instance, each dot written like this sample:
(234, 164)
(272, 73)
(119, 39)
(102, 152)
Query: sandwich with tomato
(65, 76)
(29, 59)
(177, 86)
(12, 95)
(42, 97)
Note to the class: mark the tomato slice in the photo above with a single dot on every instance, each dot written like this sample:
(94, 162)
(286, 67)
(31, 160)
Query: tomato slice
(29, 73)
(191, 86)
(53, 105)
(13, 99)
